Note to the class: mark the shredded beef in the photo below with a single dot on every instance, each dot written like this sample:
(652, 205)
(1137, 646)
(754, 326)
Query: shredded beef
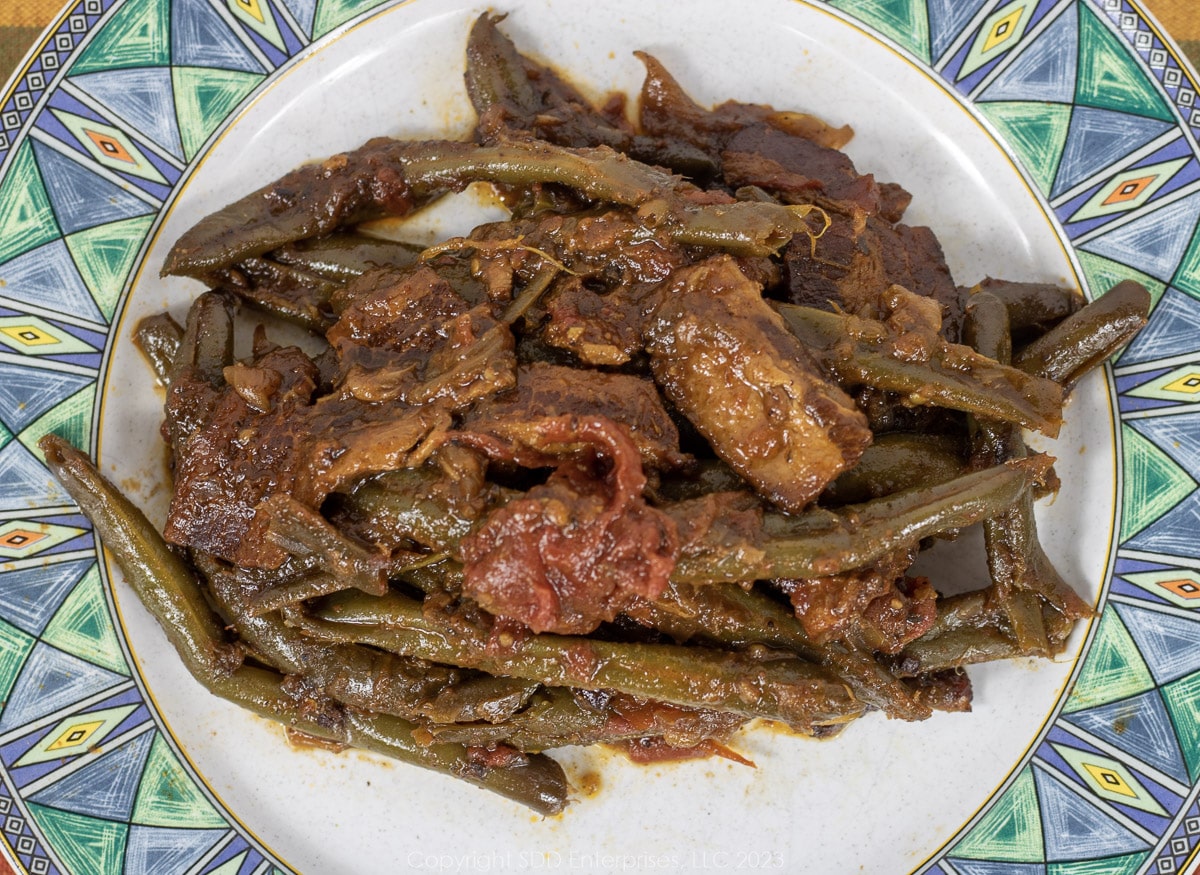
(546, 391)
(571, 553)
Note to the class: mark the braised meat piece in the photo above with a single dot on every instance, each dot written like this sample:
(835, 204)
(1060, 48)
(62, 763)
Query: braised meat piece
(877, 606)
(242, 455)
(408, 336)
(729, 363)
(546, 391)
(572, 552)
(858, 258)
(598, 329)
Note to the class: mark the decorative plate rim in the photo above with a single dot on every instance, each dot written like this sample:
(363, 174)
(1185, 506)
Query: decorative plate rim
(1153, 388)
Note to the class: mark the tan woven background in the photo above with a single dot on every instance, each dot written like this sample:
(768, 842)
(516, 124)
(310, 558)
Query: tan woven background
(22, 21)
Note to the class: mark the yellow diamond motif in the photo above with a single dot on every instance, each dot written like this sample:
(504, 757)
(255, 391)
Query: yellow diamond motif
(1003, 30)
(1110, 780)
(75, 736)
(251, 7)
(29, 335)
(1188, 383)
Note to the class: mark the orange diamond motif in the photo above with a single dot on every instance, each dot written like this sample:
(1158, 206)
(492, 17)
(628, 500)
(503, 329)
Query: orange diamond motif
(20, 539)
(110, 146)
(1184, 588)
(1129, 190)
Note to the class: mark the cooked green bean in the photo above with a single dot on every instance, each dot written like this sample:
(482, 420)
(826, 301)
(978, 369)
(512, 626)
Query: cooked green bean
(820, 542)
(163, 583)
(954, 376)
(272, 217)
(895, 462)
(797, 693)
(735, 617)
(168, 589)
(158, 338)
(1031, 305)
(1016, 560)
(344, 255)
(1088, 337)
(292, 293)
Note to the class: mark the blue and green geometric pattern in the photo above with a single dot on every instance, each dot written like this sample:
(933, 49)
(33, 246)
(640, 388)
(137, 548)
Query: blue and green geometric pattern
(122, 96)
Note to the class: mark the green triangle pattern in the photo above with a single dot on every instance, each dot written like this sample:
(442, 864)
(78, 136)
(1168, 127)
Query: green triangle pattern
(5, 436)
(1102, 274)
(168, 795)
(1187, 275)
(1153, 483)
(25, 212)
(72, 419)
(87, 845)
(332, 13)
(204, 98)
(1109, 76)
(905, 21)
(231, 866)
(105, 255)
(1011, 830)
(138, 35)
(1113, 669)
(1125, 865)
(14, 648)
(1182, 698)
(84, 627)
(1036, 132)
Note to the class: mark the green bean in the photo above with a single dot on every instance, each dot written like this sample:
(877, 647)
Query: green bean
(1016, 560)
(562, 717)
(158, 339)
(168, 589)
(956, 648)
(165, 585)
(895, 462)
(553, 719)
(344, 255)
(1031, 305)
(731, 616)
(291, 293)
(419, 172)
(954, 376)
(534, 781)
(205, 350)
(987, 327)
(797, 693)
(820, 542)
(1088, 337)
(361, 677)
(206, 347)
(297, 530)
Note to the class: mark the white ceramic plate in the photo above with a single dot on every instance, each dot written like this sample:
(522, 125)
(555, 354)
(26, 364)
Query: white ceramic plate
(1041, 141)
